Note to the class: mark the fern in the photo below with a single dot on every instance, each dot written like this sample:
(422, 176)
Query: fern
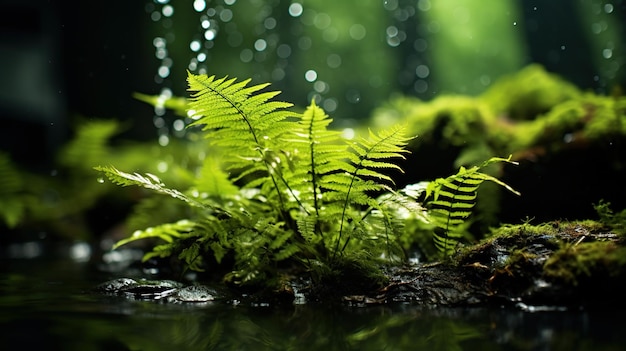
(453, 199)
(285, 187)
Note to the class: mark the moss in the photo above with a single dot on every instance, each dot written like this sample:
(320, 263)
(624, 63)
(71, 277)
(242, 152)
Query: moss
(530, 108)
(576, 263)
(528, 93)
(545, 122)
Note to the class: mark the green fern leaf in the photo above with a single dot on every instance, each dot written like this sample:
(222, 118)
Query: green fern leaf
(452, 201)
(148, 181)
(368, 156)
(168, 232)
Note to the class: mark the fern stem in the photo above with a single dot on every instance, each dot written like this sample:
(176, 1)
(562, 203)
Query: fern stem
(343, 213)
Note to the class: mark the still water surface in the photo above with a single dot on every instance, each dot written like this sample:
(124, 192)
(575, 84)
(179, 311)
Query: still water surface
(49, 304)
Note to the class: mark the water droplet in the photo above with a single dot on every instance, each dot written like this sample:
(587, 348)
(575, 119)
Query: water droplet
(390, 4)
(168, 10)
(164, 71)
(310, 75)
(295, 9)
(283, 51)
(304, 43)
(321, 87)
(195, 45)
(608, 8)
(333, 61)
(210, 34)
(420, 45)
(562, 47)
(260, 45)
(330, 105)
(422, 71)
(199, 5)
(269, 23)
(226, 15)
(322, 20)
(100, 180)
(420, 86)
(607, 53)
(178, 125)
(515, 23)
(357, 32)
(246, 55)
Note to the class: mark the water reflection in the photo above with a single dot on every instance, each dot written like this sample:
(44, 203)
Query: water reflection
(50, 303)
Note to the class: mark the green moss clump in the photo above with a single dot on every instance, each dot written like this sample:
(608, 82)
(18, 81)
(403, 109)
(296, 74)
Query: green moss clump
(580, 262)
(528, 93)
(534, 115)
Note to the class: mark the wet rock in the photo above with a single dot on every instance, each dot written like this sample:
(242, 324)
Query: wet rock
(194, 293)
(115, 285)
(555, 264)
(157, 290)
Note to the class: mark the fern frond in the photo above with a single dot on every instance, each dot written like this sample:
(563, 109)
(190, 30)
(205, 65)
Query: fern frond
(368, 155)
(231, 108)
(248, 127)
(452, 201)
(148, 181)
(168, 232)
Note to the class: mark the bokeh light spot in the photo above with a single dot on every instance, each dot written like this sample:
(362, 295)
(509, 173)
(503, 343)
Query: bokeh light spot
(333, 61)
(195, 46)
(357, 32)
(322, 20)
(168, 10)
(246, 55)
(283, 51)
(310, 75)
(199, 5)
(260, 45)
(295, 9)
(422, 71)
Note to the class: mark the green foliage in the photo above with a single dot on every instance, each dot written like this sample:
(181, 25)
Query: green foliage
(616, 221)
(56, 201)
(452, 200)
(530, 114)
(12, 205)
(285, 187)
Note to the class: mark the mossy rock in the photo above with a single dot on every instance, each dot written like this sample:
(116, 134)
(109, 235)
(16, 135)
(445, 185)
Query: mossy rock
(563, 264)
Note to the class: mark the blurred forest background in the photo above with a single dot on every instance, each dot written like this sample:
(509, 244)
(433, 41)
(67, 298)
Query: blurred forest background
(65, 62)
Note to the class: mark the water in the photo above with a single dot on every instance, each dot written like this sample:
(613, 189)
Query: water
(49, 303)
